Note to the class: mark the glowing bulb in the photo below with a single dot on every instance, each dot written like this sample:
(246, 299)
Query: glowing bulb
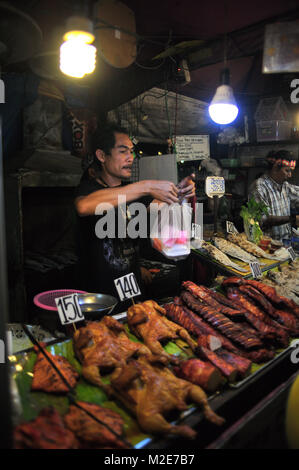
(223, 108)
(77, 58)
(222, 113)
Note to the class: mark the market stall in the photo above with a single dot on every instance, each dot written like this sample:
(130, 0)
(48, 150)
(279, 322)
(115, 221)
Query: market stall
(188, 339)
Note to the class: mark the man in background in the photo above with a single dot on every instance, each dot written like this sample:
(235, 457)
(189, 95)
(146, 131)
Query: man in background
(274, 190)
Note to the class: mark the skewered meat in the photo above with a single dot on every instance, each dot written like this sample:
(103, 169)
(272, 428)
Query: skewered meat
(286, 319)
(229, 371)
(233, 250)
(200, 373)
(219, 256)
(233, 281)
(259, 320)
(222, 323)
(91, 433)
(195, 325)
(151, 391)
(204, 294)
(271, 294)
(46, 378)
(242, 365)
(105, 346)
(210, 342)
(260, 356)
(47, 431)
(148, 321)
(258, 296)
(242, 242)
(266, 290)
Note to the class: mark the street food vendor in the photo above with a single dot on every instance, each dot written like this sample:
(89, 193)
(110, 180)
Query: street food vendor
(274, 190)
(104, 259)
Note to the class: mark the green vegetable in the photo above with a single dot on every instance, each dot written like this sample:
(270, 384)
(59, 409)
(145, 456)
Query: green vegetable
(252, 214)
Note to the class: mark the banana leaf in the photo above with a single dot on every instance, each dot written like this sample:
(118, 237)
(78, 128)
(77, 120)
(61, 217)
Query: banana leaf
(32, 402)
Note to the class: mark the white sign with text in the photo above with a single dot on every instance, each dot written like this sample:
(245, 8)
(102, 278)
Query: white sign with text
(69, 310)
(127, 287)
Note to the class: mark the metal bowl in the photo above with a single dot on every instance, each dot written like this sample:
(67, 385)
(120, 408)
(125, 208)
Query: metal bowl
(94, 304)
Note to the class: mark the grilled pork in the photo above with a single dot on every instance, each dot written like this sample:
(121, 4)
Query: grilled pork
(91, 433)
(47, 431)
(46, 378)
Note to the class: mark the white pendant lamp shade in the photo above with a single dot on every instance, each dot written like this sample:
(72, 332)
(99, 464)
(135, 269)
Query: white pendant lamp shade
(223, 108)
(77, 55)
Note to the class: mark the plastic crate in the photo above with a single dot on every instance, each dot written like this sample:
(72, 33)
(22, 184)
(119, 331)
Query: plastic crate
(273, 130)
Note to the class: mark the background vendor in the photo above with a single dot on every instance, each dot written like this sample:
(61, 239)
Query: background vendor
(274, 190)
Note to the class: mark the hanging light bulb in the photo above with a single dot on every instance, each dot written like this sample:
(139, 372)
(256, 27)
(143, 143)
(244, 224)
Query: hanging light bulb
(77, 55)
(223, 108)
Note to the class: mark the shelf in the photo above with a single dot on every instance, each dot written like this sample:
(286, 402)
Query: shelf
(269, 142)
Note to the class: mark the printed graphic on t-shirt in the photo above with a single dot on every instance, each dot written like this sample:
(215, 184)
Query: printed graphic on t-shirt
(119, 254)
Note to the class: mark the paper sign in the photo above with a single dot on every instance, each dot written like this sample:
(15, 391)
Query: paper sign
(192, 147)
(230, 227)
(127, 287)
(69, 310)
(292, 253)
(255, 269)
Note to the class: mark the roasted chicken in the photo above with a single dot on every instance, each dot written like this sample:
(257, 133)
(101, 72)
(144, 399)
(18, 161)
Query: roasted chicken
(151, 391)
(148, 321)
(105, 347)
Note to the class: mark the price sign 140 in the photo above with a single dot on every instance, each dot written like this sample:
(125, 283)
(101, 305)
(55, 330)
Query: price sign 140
(255, 269)
(69, 310)
(127, 287)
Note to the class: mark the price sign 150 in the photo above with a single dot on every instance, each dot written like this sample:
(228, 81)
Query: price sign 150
(69, 310)
(127, 287)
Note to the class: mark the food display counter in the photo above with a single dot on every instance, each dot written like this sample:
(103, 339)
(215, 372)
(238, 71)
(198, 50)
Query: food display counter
(232, 400)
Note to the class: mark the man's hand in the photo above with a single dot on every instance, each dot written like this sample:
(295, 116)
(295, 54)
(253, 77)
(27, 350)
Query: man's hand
(164, 191)
(187, 187)
(146, 276)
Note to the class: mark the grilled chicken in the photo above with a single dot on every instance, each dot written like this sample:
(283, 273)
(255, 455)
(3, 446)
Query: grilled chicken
(46, 378)
(105, 347)
(91, 433)
(152, 391)
(47, 431)
(148, 321)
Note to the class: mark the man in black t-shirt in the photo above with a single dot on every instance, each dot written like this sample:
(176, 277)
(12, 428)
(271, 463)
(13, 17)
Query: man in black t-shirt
(104, 259)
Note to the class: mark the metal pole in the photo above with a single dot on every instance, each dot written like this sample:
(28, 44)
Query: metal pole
(5, 403)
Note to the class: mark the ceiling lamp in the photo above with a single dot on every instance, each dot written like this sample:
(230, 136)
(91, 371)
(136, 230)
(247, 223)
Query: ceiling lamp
(77, 55)
(223, 108)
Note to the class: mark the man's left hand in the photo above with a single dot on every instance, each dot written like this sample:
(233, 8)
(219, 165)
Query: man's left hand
(187, 187)
(146, 276)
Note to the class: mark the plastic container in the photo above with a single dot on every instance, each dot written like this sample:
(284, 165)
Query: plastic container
(272, 109)
(273, 130)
